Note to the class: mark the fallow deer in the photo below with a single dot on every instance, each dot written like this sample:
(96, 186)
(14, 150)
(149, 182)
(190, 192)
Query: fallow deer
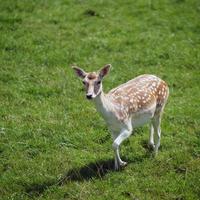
(127, 106)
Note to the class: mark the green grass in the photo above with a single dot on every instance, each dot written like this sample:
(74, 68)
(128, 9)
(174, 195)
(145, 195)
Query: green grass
(53, 144)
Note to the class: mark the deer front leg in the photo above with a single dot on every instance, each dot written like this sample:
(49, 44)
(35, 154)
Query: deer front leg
(124, 134)
(118, 162)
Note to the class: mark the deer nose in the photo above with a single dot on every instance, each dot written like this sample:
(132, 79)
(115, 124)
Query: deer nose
(89, 96)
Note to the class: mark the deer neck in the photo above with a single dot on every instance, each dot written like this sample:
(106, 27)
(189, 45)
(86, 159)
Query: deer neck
(103, 104)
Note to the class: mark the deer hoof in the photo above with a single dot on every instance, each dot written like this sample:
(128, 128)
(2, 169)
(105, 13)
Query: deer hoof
(123, 164)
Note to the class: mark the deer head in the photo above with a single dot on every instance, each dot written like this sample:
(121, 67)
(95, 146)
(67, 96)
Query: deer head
(92, 80)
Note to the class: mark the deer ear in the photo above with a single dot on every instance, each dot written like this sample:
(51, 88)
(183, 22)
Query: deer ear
(79, 72)
(104, 71)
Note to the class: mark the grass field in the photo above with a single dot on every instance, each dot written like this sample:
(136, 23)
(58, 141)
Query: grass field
(53, 143)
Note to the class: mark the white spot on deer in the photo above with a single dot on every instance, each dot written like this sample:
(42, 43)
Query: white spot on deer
(153, 84)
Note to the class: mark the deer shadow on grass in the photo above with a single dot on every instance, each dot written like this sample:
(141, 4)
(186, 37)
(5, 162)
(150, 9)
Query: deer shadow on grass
(95, 170)
(92, 170)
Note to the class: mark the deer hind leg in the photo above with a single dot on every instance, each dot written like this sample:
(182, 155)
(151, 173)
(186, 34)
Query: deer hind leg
(124, 134)
(151, 137)
(156, 121)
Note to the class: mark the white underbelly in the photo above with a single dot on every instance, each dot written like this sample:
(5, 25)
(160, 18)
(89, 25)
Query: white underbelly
(142, 118)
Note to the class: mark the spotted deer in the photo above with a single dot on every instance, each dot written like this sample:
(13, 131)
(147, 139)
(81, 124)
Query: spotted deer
(127, 106)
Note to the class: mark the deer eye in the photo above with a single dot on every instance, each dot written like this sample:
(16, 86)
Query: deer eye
(84, 83)
(98, 82)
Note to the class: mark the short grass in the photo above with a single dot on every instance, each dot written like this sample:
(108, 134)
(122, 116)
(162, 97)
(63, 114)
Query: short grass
(53, 144)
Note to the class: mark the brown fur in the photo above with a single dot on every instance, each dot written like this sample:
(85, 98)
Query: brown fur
(92, 76)
(138, 94)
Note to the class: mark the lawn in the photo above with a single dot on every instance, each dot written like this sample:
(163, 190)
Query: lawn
(53, 143)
